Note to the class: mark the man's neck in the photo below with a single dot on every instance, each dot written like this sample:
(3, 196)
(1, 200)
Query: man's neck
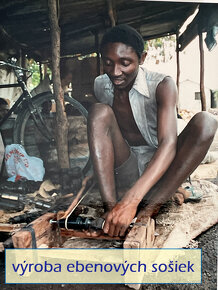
(124, 91)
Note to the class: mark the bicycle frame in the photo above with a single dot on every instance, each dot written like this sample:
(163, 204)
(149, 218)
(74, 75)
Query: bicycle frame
(26, 96)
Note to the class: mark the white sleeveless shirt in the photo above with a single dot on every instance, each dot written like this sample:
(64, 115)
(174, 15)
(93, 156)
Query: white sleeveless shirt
(143, 103)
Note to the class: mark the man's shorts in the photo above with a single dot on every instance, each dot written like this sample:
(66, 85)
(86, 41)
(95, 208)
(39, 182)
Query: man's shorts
(130, 171)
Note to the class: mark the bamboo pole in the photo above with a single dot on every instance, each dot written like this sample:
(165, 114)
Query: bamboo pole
(61, 119)
(202, 92)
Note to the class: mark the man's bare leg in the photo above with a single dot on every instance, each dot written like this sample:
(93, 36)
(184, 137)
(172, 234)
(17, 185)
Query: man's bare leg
(108, 150)
(193, 144)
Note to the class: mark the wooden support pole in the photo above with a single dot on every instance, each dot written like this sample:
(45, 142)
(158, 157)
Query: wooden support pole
(45, 69)
(202, 92)
(40, 71)
(23, 63)
(177, 68)
(98, 54)
(111, 12)
(61, 119)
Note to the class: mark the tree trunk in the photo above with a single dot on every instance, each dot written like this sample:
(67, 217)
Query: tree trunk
(61, 119)
(202, 92)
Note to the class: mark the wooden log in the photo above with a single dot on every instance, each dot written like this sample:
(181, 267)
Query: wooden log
(45, 233)
(150, 234)
(142, 233)
(136, 238)
(140, 236)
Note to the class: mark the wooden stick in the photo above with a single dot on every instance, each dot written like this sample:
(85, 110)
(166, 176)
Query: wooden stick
(7, 228)
(63, 215)
(111, 12)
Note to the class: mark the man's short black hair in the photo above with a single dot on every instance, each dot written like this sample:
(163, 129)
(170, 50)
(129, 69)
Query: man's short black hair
(125, 34)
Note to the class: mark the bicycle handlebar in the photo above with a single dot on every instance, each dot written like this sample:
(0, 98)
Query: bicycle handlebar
(13, 66)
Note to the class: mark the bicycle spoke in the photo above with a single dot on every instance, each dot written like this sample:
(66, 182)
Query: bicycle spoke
(41, 125)
(38, 142)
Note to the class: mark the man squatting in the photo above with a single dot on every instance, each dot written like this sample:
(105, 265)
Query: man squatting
(132, 133)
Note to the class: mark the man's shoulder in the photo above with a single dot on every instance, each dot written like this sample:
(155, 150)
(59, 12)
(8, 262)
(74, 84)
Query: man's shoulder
(153, 76)
(103, 89)
(102, 79)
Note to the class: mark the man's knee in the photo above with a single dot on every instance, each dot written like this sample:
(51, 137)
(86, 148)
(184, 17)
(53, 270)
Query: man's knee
(100, 114)
(204, 126)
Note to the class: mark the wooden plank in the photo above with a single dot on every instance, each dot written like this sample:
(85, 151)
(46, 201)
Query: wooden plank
(136, 238)
(79, 234)
(178, 225)
(140, 236)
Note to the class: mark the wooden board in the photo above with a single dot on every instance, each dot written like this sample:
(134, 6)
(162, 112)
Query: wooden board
(178, 225)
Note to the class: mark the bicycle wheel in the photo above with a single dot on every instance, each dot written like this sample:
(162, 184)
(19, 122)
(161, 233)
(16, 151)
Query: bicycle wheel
(39, 140)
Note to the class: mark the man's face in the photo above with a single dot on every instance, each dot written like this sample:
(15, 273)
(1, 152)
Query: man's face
(121, 64)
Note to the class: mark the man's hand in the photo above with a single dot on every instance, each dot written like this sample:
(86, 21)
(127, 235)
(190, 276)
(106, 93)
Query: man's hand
(119, 219)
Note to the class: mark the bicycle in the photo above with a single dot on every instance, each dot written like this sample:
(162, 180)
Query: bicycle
(34, 126)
